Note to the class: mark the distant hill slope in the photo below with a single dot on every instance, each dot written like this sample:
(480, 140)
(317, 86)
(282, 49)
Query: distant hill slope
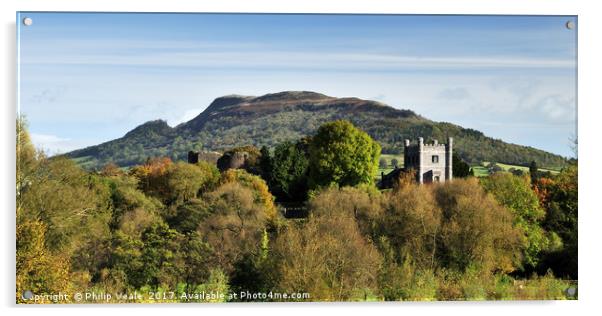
(235, 120)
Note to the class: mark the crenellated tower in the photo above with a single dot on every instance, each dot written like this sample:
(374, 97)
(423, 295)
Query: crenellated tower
(431, 161)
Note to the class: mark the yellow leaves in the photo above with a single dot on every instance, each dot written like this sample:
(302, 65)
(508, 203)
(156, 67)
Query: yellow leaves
(38, 269)
(257, 185)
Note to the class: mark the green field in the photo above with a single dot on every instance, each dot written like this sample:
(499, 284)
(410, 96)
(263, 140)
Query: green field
(481, 171)
(389, 168)
(507, 167)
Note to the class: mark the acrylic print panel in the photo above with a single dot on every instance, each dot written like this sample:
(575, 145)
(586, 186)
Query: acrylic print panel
(192, 158)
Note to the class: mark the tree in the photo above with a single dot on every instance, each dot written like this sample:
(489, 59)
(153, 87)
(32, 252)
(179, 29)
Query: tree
(38, 269)
(493, 167)
(559, 197)
(126, 198)
(149, 259)
(236, 225)
(515, 193)
(261, 193)
(196, 255)
(189, 215)
(186, 180)
(27, 159)
(382, 163)
(460, 169)
(265, 163)
(287, 176)
(363, 203)
(340, 154)
(411, 222)
(477, 232)
(151, 176)
(71, 203)
(58, 207)
(327, 257)
(533, 171)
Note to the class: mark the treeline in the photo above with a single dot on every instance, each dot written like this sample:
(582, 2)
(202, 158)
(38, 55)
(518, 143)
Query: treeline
(174, 226)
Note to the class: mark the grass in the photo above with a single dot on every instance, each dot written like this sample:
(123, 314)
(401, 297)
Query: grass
(480, 171)
(506, 167)
(390, 167)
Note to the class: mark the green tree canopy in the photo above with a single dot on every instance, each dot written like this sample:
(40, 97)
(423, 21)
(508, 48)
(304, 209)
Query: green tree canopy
(341, 154)
(460, 169)
(515, 193)
(287, 176)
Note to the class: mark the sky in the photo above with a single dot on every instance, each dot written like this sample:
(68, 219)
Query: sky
(86, 78)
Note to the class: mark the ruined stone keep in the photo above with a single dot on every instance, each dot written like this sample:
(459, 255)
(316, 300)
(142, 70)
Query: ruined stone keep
(432, 162)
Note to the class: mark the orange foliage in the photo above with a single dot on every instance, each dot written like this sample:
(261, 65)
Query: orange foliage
(543, 190)
(111, 170)
(152, 175)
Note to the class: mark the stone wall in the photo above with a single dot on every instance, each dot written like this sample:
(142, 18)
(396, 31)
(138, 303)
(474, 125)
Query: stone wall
(432, 162)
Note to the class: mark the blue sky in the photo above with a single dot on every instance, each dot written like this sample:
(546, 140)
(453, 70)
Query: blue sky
(86, 78)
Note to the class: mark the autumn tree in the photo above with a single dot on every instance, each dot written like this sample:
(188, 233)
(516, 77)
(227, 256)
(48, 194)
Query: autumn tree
(515, 193)
(38, 269)
(363, 203)
(329, 256)
(185, 181)
(559, 197)
(27, 159)
(476, 230)
(235, 226)
(187, 216)
(71, 203)
(58, 207)
(152, 176)
(258, 187)
(411, 222)
(126, 198)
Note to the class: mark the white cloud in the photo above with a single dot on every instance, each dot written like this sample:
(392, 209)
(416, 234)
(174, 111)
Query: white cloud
(52, 144)
(295, 59)
(557, 107)
(187, 116)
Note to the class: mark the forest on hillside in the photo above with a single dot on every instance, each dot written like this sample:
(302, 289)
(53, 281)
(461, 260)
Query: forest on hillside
(168, 230)
(259, 124)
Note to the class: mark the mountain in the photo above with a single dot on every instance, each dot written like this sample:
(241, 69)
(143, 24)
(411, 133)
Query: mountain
(236, 120)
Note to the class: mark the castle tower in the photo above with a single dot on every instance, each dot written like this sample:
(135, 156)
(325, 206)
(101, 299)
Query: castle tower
(420, 160)
(449, 147)
(431, 161)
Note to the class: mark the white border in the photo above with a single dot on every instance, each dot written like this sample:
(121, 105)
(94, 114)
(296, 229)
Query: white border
(589, 151)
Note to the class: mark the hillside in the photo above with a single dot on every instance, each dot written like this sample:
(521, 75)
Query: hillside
(236, 120)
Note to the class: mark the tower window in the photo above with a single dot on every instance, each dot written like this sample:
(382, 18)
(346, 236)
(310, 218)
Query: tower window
(435, 159)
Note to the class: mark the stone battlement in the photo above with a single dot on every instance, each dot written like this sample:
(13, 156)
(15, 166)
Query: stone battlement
(432, 162)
